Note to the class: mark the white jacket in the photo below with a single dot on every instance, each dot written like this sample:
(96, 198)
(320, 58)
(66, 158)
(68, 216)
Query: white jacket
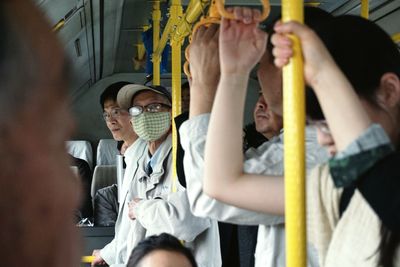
(116, 252)
(267, 160)
(162, 211)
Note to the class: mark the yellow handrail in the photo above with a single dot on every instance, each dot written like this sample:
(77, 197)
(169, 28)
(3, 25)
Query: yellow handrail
(87, 259)
(213, 17)
(193, 12)
(59, 25)
(396, 37)
(228, 15)
(294, 124)
(365, 9)
(176, 12)
(156, 36)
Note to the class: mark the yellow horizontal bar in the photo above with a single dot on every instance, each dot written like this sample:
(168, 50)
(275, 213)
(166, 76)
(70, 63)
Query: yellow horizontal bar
(59, 25)
(87, 259)
(313, 4)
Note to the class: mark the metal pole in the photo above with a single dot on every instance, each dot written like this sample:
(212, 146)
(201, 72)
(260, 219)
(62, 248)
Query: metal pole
(176, 12)
(156, 38)
(365, 9)
(294, 124)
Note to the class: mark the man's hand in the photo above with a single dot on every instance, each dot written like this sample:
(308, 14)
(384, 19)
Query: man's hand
(241, 42)
(98, 260)
(131, 208)
(204, 68)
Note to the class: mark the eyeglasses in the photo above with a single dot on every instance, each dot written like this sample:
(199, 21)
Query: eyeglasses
(152, 108)
(321, 125)
(114, 114)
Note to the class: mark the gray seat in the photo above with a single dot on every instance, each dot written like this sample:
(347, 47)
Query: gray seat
(107, 152)
(82, 150)
(103, 175)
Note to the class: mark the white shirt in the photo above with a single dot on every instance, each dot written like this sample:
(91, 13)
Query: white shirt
(267, 159)
(116, 252)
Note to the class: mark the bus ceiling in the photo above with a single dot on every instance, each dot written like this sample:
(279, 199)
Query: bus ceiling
(102, 37)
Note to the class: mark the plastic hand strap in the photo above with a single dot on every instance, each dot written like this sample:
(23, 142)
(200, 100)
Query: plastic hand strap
(206, 22)
(228, 15)
(186, 69)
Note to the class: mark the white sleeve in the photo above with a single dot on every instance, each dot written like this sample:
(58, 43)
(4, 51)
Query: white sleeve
(108, 252)
(171, 215)
(193, 137)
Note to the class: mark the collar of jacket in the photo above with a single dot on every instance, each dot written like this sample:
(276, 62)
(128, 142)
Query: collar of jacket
(160, 167)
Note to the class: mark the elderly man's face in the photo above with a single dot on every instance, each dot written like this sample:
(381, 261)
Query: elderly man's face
(151, 116)
(118, 121)
(267, 122)
(270, 78)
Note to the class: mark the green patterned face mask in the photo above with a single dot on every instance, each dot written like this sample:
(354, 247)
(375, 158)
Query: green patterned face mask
(151, 126)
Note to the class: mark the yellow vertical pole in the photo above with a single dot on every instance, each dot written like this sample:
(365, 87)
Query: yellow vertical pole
(294, 124)
(156, 37)
(365, 9)
(176, 13)
(396, 37)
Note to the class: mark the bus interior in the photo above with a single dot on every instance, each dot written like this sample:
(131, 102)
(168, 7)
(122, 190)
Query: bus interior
(105, 42)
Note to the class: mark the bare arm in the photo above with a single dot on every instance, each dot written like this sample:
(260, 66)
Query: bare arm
(241, 47)
(193, 134)
(327, 80)
(204, 68)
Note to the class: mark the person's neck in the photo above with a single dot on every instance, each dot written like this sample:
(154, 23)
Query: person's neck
(270, 134)
(154, 145)
(130, 141)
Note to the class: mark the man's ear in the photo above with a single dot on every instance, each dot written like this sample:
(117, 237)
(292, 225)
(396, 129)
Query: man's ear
(389, 90)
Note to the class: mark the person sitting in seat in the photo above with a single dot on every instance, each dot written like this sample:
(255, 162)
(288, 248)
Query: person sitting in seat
(85, 175)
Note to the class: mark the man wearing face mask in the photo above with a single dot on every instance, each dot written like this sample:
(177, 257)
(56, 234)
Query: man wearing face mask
(155, 203)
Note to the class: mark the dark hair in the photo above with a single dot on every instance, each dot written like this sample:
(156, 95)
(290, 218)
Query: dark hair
(185, 85)
(364, 52)
(160, 242)
(111, 92)
(252, 138)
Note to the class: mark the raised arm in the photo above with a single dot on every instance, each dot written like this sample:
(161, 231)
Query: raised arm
(205, 71)
(204, 68)
(327, 80)
(241, 46)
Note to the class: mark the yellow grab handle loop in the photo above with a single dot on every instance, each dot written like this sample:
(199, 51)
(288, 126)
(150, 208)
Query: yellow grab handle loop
(203, 21)
(186, 69)
(228, 15)
(206, 22)
(187, 52)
